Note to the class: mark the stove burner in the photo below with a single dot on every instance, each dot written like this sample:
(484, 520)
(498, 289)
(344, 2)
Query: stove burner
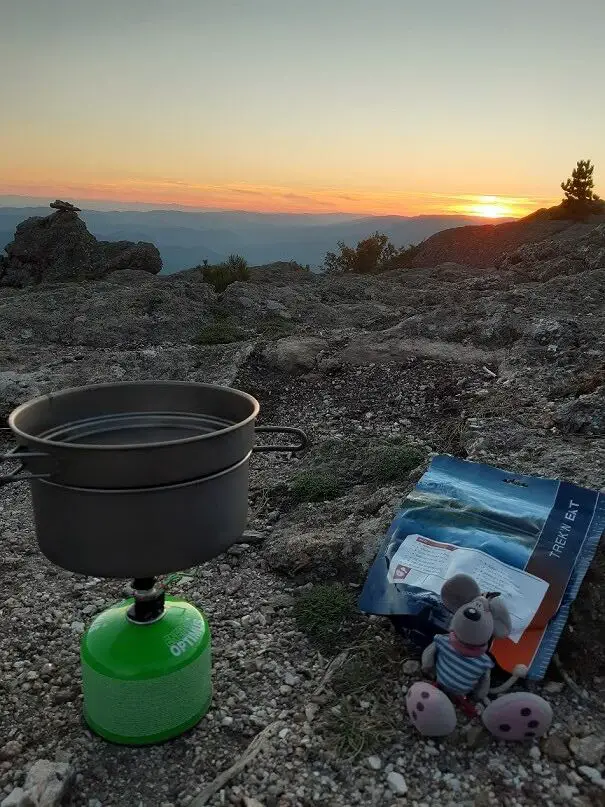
(149, 601)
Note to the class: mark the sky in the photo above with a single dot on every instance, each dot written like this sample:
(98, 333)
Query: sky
(360, 106)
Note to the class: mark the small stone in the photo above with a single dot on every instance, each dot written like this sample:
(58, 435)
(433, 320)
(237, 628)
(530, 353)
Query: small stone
(375, 763)
(290, 680)
(253, 537)
(588, 750)
(238, 549)
(48, 782)
(248, 802)
(311, 711)
(411, 667)
(94, 803)
(282, 601)
(554, 748)
(576, 727)
(77, 627)
(397, 783)
(227, 721)
(534, 752)
(10, 750)
(18, 798)
(234, 585)
(591, 773)
(65, 696)
(554, 687)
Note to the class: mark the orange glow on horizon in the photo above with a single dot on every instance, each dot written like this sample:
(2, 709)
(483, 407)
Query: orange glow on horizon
(493, 207)
(275, 199)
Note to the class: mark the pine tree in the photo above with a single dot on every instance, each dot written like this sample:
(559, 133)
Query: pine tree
(578, 189)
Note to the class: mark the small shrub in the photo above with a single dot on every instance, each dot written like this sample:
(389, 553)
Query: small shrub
(368, 673)
(222, 332)
(324, 613)
(235, 268)
(371, 256)
(315, 486)
(337, 465)
(275, 327)
(392, 463)
(380, 462)
(238, 265)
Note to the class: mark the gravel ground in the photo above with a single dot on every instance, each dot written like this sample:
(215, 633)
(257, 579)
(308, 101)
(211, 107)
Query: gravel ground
(351, 743)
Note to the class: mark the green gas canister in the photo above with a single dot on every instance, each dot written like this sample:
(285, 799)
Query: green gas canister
(146, 668)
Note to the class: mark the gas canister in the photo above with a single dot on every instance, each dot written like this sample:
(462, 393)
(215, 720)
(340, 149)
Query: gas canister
(146, 669)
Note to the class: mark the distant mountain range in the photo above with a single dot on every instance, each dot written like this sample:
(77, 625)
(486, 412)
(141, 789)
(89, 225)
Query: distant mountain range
(185, 239)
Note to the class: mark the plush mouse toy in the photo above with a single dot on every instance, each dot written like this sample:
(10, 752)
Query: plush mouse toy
(462, 667)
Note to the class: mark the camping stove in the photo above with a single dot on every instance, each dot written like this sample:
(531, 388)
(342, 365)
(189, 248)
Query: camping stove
(114, 469)
(146, 667)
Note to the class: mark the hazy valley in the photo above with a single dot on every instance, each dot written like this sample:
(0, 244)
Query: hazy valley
(185, 239)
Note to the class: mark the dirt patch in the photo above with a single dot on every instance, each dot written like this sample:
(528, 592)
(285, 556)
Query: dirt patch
(582, 645)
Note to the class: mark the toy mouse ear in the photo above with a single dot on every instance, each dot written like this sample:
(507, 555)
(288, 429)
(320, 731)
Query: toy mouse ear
(458, 591)
(502, 623)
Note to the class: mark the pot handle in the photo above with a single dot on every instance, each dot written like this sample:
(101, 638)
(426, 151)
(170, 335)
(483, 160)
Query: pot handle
(281, 430)
(17, 476)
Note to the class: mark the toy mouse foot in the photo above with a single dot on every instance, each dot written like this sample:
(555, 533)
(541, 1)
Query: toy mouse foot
(430, 710)
(518, 716)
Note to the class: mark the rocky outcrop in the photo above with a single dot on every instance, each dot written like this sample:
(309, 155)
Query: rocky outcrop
(59, 248)
(561, 256)
(295, 355)
(487, 245)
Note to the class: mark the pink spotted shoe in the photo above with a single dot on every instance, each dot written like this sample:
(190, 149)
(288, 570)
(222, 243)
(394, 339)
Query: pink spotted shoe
(517, 716)
(430, 710)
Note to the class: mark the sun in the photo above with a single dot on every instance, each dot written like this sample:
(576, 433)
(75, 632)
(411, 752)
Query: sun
(490, 207)
(490, 210)
(493, 207)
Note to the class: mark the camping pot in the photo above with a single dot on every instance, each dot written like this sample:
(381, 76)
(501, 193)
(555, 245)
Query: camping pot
(138, 530)
(138, 433)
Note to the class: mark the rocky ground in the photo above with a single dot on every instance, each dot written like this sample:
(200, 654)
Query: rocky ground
(505, 366)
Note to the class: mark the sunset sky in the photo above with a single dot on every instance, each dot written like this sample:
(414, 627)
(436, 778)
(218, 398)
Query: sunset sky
(370, 107)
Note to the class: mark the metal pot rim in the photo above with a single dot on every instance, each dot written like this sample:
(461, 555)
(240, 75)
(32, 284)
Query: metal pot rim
(151, 489)
(43, 443)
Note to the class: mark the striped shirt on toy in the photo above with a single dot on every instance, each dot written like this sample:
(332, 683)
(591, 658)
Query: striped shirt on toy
(456, 672)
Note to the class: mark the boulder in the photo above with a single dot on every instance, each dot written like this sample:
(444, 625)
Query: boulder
(59, 204)
(59, 248)
(295, 354)
(333, 538)
(124, 255)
